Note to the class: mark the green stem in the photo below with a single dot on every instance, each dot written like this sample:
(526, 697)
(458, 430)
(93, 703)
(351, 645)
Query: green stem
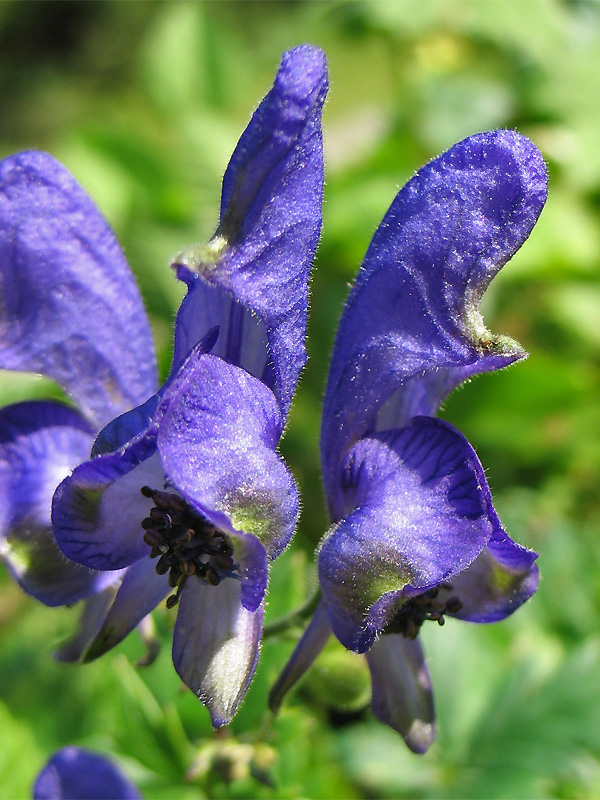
(295, 618)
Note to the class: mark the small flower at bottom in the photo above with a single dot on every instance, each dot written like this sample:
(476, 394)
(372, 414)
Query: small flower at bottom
(183, 489)
(415, 536)
(77, 774)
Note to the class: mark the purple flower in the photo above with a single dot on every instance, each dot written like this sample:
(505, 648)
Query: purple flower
(76, 774)
(415, 536)
(69, 309)
(184, 487)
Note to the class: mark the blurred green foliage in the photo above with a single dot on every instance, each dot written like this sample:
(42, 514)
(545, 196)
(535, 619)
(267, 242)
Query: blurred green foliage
(144, 103)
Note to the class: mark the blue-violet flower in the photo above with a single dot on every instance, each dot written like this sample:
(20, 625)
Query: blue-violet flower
(76, 774)
(415, 536)
(184, 488)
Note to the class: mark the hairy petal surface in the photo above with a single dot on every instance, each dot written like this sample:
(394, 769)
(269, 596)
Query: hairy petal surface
(40, 442)
(411, 330)
(216, 646)
(402, 692)
(420, 516)
(251, 559)
(97, 512)
(69, 306)
(259, 260)
(76, 774)
(218, 429)
(498, 582)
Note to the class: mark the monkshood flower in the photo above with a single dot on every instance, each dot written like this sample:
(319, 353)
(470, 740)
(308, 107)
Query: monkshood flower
(184, 488)
(76, 774)
(69, 309)
(415, 536)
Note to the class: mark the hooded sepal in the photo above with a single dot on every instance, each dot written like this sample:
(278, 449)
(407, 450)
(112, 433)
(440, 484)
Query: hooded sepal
(252, 278)
(70, 307)
(411, 330)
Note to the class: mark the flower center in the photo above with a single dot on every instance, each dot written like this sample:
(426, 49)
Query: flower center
(185, 543)
(408, 619)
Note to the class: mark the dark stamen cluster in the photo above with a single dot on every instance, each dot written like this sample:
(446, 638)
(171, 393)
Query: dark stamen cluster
(425, 606)
(185, 543)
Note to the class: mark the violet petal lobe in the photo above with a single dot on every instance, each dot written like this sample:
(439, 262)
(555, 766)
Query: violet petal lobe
(402, 692)
(420, 516)
(500, 580)
(411, 330)
(69, 306)
(242, 336)
(216, 645)
(40, 442)
(76, 774)
(259, 260)
(218, 429)
(97, 512)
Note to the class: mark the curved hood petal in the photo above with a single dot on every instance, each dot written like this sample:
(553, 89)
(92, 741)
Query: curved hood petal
(411, 330)
(257, 265)
(69, 306)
